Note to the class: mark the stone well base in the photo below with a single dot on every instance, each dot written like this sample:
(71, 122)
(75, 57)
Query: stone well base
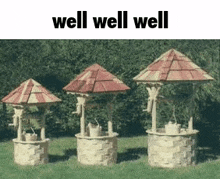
(30, 152)
(100, 150)
(172, 151)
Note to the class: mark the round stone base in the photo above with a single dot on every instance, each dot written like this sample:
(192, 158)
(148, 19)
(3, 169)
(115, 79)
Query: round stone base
(31, 152)
(172, 151)
(101, 150)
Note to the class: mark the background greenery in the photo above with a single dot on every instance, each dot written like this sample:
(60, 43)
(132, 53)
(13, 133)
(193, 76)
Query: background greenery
(53, 63)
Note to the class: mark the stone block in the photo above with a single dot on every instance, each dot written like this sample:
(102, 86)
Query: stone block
(165, 143)
(165, 155)
(182, 142)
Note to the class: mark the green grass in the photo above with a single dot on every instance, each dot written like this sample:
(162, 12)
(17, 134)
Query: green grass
(132, 163)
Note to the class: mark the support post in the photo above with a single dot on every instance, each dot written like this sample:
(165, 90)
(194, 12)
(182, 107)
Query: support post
(153, 91)
(42, 132)
(81, 102)
(20, 129)
(154, 112)
(190, 123)
(110, 127)
(15, 117)
(82, 120)
(18, 114)
(150, 100)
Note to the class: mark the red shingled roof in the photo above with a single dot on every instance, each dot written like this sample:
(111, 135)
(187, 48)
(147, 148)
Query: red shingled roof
(30, 92)
(172, 66)
(95, 79)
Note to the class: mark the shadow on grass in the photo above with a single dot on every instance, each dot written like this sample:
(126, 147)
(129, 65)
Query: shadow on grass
(131, 154)
(60, 158)
(207, 154)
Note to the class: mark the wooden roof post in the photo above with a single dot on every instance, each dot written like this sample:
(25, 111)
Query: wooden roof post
(20, 129)
(154, 92)
(42, 132)
(154, 111)
(190, 123)
(19, 112)
(110, 112)
(82, 103)
(82, 120)
(110, 127)
(150, 100)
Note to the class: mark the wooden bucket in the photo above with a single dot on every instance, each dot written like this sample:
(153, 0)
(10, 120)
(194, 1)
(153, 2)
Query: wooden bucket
(30, 137)
(94, 130)
(171, 128)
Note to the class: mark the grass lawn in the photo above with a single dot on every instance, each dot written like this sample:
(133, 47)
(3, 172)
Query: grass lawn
(132, 164)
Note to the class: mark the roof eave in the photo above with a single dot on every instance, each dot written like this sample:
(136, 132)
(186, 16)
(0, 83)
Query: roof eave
(174, 81)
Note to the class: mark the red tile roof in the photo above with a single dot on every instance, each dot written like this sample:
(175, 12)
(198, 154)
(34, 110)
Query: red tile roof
(30, 92)
(170, 67)
(96, 79)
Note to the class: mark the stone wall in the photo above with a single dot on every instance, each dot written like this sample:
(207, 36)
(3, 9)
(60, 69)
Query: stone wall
(31, 153)
(172, 151)
(100, 150)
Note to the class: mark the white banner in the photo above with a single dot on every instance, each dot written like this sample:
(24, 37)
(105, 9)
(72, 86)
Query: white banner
(137, 19)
